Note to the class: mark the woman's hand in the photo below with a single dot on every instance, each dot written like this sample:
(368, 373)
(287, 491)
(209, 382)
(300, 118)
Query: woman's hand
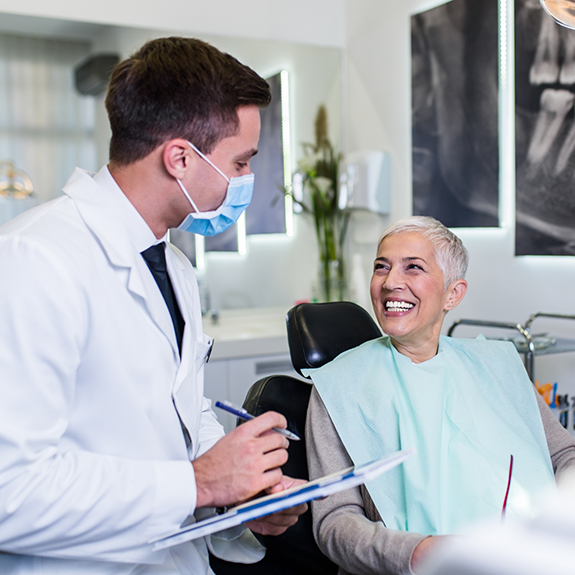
(426, 547)
(278, 522)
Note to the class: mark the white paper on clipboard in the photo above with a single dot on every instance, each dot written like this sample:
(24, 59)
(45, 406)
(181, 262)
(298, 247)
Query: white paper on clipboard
(255, 508)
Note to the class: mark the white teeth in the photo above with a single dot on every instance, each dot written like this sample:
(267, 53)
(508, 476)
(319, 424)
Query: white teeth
(398, 305)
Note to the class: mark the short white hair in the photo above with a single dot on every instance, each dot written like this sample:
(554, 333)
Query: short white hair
(452, 257)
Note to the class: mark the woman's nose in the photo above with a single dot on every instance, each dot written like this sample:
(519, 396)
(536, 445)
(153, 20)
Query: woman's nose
(394, 280)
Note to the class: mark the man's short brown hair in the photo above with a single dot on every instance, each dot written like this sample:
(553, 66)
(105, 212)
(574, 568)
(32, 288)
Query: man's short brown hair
(178, 88)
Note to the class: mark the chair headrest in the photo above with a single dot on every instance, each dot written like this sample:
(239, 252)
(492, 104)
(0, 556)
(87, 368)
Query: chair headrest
(319, 332)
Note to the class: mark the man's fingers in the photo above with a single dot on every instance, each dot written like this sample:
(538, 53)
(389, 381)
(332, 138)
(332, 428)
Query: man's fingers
(265, 422)
(272, 440)
(275, 458)
(243, 463)
(271, 477)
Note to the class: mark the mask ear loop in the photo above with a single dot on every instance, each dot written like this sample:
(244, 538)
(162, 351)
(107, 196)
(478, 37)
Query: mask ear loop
(211, 164)
(187, 195)
(209, 161)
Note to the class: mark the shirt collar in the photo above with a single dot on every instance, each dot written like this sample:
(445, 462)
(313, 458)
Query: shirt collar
(140, 233)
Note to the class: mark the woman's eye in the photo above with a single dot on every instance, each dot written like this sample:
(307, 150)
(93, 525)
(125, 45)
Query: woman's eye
(242, 165)
(414, 266)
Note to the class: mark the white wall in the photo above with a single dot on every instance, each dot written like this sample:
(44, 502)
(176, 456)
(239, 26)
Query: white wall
(502, 287)
(315, 73)
(319, 22)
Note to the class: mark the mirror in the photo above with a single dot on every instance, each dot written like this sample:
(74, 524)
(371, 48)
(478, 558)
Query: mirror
(562, 11)
(315, 77)
(270, 212)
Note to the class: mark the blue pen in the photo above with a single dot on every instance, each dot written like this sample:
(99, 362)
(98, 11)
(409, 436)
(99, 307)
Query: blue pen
(244, 414)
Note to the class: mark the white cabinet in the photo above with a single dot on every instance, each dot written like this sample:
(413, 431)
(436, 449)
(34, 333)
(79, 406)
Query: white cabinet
(231, 379)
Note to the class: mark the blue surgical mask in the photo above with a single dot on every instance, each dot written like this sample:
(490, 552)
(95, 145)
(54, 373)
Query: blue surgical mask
(238, 198)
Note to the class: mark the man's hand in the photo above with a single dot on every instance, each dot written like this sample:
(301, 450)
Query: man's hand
(277, 523)
(243, 463)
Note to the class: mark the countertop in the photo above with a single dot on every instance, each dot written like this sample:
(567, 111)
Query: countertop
(248, 333)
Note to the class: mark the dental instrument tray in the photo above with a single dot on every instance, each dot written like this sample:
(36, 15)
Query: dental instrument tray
(540, 342)
(527, 343)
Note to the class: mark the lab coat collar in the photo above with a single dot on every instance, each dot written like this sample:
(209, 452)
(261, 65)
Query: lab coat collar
(93, 201)
(141, 235)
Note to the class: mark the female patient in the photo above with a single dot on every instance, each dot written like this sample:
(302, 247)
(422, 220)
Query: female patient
(466, 405)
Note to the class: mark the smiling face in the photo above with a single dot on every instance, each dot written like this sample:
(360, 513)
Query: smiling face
(409, 296)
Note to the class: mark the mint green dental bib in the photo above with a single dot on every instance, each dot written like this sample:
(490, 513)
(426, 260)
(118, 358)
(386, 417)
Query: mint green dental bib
(466, 411)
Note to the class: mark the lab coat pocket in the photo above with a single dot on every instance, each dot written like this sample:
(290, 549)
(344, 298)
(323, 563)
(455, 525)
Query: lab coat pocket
(203, 351)
(188, 396)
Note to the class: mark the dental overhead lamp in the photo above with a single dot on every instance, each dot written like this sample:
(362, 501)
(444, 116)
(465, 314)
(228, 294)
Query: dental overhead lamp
(16, 191)
(562, 11)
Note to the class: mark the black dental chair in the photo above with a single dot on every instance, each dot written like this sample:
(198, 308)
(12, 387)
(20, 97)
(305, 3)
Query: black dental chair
(317, 333)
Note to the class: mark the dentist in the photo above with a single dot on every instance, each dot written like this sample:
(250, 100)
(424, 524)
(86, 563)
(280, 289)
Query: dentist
(106, 440)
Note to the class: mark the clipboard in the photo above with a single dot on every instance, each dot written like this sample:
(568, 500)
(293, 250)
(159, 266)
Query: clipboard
(322, 487)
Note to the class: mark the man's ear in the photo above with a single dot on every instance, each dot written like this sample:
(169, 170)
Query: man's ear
(455, 293)
(176, 156)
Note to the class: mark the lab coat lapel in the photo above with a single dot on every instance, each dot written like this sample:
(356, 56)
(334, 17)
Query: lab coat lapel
(183, 291)
(108, 227)
(187, 391)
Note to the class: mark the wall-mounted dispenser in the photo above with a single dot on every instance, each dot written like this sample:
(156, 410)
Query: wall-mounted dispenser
(92, 75)
(365, 181)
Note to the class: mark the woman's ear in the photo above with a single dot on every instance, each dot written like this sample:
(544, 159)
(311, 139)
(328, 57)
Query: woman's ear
(455, 293)
(176, 157)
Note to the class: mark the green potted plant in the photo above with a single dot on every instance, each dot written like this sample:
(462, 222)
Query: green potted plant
(319, 173)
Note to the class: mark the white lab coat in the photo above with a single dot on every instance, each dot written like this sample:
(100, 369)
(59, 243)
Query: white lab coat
(93, 463)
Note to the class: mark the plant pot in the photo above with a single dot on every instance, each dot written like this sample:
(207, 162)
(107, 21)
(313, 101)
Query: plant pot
(331, 281)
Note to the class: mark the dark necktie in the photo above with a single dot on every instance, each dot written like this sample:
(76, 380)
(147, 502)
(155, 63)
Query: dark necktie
(155, 257)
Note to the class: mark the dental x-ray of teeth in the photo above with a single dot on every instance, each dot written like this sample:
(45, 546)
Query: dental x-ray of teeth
(545, 132)
(455, 113)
